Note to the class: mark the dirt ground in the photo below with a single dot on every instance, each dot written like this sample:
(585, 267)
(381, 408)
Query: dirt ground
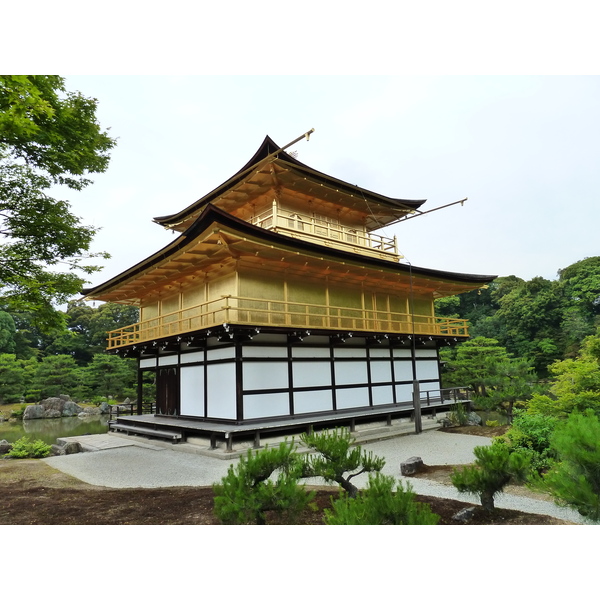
(33, 493)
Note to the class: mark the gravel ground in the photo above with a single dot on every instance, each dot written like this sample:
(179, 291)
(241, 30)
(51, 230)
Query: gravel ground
(147, 465)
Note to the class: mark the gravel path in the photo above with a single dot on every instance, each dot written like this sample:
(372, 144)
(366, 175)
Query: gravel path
(134, 464)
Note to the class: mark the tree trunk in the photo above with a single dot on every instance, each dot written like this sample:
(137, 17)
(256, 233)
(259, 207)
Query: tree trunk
(348, 487)
(487, 501)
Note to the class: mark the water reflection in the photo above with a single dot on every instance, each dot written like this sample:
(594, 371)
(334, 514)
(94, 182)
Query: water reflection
(50, 429)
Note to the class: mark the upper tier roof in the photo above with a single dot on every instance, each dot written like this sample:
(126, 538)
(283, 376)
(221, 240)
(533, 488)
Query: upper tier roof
(271, 166)
(217, 236)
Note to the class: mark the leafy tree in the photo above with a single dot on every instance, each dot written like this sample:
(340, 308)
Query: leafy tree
(468, 364)
(108, 317)
(86, 330)
(56, 375)
(8, 333)
(532, 313)
(12, 379)
(380, 504)
(581, 284)
(260, 482)
(109, 375)
(499, 381)
(335, 461)
(494, 468)
(511, 383)
(576, 385)
(48, 137)
(575, 479)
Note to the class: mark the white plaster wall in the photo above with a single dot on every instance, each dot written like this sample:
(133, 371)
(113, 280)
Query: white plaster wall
(382, 395)
(192, 391)
(164, 361)
(192, 357)
(404, 392)
(311, 374)
(314, 401)
(266, 405)
(304, 352)
(427, 369)
(352, 398)
(221, 391)
(266, 352)
(426, 353)
(147, 362)
(379, 353)
(403, 370)
(220, 353)
(347, 373)
(265, 375)
(346, 352)
(381, 371)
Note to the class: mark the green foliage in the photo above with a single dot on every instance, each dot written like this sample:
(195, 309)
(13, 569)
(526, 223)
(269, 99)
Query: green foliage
(468, 364)
(56, 375)
(109, 375)
(24, 448)
(494, 468)
(52, 129)
(490, 423)
(48, 137)
(17, 413)
(12, 380)
(262, 481)
(576, 385)
(530, 435)
(458, 414)
(336, 461)
(380, 504)
(498, 380)
(575, 480)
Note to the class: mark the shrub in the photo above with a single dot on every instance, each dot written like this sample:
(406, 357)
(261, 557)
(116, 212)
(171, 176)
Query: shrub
(575, 480)
(379, 504)
(262, 481)
(491, 423)
(458, 414)
(530, 435)
(335, 461)
(17, 413)
(494, 468)
(23, 448)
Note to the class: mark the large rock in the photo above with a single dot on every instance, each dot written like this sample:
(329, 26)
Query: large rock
(474, 419)
(63, 447)
(70, 409)
(5, 447)
(61, 404)
(34, 411)
(413, 465)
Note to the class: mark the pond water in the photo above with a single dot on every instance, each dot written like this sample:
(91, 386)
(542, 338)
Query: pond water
(48, 430)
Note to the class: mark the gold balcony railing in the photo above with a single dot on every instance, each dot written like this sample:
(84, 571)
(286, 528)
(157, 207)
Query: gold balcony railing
(322, 230)
(254, 311)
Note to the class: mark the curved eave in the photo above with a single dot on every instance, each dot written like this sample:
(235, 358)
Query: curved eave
(267, 148)
(213, 216)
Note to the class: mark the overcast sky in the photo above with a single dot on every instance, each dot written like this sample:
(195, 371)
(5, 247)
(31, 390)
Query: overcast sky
(523, 149)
